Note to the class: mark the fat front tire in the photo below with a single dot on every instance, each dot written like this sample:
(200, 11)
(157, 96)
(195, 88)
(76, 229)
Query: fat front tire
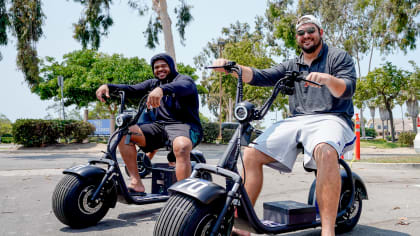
(349, 220)
(186, 216)
(71, 204)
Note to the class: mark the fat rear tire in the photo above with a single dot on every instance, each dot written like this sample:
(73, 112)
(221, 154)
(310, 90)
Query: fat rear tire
(144, 165)
(349, 220)
(186, 216)
(71, 205)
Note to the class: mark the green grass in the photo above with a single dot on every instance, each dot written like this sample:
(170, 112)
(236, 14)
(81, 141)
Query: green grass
(396, 159)
(379, 143)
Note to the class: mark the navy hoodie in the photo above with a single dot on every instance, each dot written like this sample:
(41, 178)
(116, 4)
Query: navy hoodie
(180, 101)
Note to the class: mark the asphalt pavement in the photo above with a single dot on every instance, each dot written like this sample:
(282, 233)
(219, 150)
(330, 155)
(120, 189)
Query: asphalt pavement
(28, 178)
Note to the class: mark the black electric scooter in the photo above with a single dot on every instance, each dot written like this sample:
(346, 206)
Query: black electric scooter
(205, 208)
(86, 192)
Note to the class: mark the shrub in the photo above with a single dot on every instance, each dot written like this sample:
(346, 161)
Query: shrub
(6, 139)
(81, 130)
(407, 139)
(370, 132)
(210, 131)
(227, 135)
(35, 133)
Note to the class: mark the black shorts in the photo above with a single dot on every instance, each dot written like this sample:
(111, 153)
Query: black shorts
(160, 135)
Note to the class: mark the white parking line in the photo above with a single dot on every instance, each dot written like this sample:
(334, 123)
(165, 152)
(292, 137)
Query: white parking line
(41, 172)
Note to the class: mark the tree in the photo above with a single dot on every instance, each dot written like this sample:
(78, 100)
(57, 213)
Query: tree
(387, 82)
(84, 71)
(24, 19)
(94, 23)
(5, 125)
(360, 96)
(412, 94)
(4, 24)
(372, 109)
(245, 48)
(71, 114)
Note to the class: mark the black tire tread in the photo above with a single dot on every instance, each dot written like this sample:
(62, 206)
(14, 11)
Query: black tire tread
(171, 220)
(65, 208)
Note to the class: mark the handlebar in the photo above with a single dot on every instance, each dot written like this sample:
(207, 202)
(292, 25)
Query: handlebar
(231, 67)
(284, 85)
(121, 95)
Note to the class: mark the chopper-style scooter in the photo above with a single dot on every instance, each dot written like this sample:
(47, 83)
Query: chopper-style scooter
(206, 208)
(86, 192)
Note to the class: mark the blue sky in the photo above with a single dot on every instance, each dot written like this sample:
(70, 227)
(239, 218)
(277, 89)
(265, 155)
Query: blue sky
(126, 37)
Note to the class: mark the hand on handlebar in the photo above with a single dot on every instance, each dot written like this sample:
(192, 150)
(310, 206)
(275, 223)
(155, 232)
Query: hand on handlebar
(218, 65)
(102, 92)
(317, 77)
(153, 100)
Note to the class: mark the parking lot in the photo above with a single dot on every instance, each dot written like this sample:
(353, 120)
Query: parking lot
(27, 180)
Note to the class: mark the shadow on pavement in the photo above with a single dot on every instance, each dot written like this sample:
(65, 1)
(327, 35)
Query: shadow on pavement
(124, 220)
(358, 230)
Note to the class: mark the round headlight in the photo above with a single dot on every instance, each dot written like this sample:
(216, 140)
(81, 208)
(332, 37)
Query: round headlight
(119, 121)
(243, 111)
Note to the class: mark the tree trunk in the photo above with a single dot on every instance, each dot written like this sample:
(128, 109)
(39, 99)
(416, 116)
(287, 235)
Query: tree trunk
(370, 59)
(372, 114)
(161, 8)
(402, 117)
(383, 130)
(362, 121)
(85, 115)
(413, 111)
(391, 119)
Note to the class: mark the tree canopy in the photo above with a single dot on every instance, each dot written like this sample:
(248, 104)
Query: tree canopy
(96, 20)
(238, 44)
(84, 71)
(386, 83)
(24, 19)
(5, 125)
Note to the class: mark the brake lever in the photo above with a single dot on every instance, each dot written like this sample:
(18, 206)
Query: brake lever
(312, 82)
(300, 76)
(228, 66)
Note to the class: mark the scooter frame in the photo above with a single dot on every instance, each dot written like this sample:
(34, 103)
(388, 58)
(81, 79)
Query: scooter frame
(110, 178)
(235, 194)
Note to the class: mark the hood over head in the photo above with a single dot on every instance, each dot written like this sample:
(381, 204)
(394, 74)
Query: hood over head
(169, 60)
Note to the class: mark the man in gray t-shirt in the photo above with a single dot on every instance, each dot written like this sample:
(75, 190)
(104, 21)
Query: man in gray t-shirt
(321, 119)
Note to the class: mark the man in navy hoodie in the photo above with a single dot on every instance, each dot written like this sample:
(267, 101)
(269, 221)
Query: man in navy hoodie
(175, 98)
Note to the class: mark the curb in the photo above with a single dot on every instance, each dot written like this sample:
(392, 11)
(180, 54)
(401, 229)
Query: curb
(395, 166)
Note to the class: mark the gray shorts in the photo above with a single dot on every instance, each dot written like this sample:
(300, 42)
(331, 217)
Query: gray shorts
(280, 140)
(159, 135)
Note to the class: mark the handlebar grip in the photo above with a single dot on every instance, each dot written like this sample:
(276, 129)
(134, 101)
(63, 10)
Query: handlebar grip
(228, 66)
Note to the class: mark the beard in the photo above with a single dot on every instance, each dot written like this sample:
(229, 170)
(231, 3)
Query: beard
(312, 48)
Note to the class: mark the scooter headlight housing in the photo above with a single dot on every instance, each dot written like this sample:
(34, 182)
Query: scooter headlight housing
(125, 117)
(122, 120)
(244, 111)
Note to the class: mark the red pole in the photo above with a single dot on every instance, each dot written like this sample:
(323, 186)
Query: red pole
(357, 146)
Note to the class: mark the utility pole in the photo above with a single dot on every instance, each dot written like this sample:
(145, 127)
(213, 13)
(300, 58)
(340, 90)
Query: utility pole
(220, 43)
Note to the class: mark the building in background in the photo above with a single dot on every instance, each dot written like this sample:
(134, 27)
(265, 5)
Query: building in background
(399, 126)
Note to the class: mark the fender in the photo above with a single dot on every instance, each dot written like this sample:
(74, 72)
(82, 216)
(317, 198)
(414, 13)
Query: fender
(86, 171)
(91, 172)
(198, 156)
(358, 185)
(200, 189)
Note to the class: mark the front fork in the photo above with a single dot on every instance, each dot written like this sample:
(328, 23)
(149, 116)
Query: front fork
(107, 177)
(231, 195)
